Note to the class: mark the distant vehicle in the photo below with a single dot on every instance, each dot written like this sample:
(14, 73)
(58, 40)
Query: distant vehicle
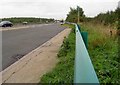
(24, 23)
(62, 23)
(6, 24)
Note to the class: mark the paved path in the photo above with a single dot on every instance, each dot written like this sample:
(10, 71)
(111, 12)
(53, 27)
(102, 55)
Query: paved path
(30, 68)
(18, 42)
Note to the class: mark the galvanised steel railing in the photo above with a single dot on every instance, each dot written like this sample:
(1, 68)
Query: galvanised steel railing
(84, 71)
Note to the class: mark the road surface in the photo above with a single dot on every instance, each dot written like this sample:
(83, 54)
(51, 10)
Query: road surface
(17, 43)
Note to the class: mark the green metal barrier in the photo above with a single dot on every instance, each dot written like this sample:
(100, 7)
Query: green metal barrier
(85, 38)
(84, 71)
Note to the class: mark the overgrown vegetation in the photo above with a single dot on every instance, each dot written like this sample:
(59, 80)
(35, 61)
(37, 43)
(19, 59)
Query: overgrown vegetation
(64, 70)
(108, 18)
(103, 50)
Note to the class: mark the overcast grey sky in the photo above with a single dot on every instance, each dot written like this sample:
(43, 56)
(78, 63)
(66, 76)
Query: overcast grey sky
(57, 9)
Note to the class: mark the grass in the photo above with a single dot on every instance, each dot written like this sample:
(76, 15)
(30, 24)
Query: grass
(64, 70)
(103, 50)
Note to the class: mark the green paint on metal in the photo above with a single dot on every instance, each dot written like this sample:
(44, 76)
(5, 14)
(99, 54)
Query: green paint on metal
(78, 27)
(85, 38)
(84, 71)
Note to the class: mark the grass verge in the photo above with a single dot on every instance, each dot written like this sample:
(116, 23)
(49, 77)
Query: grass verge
(103, 50)
(64, 70)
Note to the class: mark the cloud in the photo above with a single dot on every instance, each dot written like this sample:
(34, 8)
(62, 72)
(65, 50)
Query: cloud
(53, 8)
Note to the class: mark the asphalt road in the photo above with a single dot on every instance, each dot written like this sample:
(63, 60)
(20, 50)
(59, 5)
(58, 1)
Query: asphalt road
(17, 43)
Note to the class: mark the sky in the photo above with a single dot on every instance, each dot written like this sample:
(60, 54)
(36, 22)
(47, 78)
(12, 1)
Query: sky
(57, 9)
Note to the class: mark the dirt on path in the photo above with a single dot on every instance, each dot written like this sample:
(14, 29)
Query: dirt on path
(35, 64)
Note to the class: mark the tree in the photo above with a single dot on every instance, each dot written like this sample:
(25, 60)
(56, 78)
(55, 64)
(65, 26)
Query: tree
(72, 16)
